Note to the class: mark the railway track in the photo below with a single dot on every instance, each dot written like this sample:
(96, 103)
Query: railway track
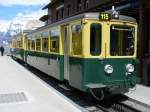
(117, 104)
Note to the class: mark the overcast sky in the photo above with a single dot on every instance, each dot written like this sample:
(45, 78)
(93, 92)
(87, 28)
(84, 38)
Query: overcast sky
(20, 11)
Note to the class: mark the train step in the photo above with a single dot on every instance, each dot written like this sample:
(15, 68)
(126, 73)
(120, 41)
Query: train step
(64, 87)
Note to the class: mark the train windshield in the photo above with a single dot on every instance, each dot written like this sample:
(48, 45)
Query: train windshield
(122, 40)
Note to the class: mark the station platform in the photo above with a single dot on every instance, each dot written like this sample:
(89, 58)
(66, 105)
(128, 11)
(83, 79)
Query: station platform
(141, 94)
(22, 91)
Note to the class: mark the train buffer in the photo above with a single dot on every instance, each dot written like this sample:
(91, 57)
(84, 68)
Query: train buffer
(21, 91)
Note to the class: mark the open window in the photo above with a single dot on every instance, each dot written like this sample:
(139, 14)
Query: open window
(33, 45)
(54, 40)
(38, 44)
(45, 41)
(29, 44)
(45, 44)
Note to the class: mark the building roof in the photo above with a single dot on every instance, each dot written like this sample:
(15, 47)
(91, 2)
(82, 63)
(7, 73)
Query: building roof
(50, 4)
(44, 18)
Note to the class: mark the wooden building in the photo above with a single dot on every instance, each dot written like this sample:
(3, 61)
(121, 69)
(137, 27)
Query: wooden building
(60, 9)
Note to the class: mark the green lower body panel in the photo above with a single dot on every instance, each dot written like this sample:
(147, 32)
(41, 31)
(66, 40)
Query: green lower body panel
(83, 73)
(89, 73)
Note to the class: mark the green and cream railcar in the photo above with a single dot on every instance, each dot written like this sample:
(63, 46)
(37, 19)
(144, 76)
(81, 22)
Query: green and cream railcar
(90, 51)
(18, 45)
(44, 51)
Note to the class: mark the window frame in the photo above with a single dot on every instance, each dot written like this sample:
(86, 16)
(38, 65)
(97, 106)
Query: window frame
(71, 43)
(39, 46)
(122, 40)
(55, 37)
(101, 40)
(28, 44)
(43, 40)
(131, 24)
(33, 40)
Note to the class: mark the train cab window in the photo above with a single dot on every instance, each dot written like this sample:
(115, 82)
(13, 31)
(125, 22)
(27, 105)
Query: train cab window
(122, 40)
(76, 40)
(54, 40)
(45, 44)
(38, 44)
(33, 45)
(95, 39)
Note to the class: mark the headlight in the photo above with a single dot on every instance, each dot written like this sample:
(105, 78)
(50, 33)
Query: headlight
(130, 68)
(108, 69)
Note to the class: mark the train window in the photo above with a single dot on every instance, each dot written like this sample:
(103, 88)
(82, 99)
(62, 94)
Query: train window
(38, 44)
(54, 45)
(122, 40)
(33, 45)
(19, 44)
(45, 44)
(77, 39)
(95, 39)
(29, 44)
(14, 43)
(55, 35)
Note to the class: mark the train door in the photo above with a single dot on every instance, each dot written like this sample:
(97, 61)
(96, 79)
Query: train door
(66, 51)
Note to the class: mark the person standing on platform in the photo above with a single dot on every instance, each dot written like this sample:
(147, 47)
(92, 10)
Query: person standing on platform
(2, 50)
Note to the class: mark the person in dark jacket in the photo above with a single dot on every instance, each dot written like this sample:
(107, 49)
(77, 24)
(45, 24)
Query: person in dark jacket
(2, 50)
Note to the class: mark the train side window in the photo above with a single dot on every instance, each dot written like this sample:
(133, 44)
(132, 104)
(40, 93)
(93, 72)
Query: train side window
(20, 43)
(95, 39)
(55, 45)
(38, 44)
(33, 45)
(54, 41)
(29, 44)
(45, 44)
(76, 39)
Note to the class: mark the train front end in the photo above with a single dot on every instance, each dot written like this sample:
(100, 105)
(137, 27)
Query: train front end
(113, 48)
(109, 62)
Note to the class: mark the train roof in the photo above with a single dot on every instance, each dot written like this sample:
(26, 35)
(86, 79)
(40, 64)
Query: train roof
(92, 15)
